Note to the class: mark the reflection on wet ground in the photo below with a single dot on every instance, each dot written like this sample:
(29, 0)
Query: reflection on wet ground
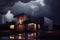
(46, 35)
(50, 35)
(7, 38)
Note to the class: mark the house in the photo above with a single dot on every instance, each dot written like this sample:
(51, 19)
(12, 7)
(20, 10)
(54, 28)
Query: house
(27, 27)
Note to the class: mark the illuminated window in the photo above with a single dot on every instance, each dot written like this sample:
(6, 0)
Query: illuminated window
(38, 26)
(19, 36)
(11, 26)
(11, 36)
(21, 19)
(20, 27)
(31, 26)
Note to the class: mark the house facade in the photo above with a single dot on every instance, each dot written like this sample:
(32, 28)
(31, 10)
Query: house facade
(27, 27)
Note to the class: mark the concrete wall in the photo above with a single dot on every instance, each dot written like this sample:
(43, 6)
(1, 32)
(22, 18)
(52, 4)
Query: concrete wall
(48, 23)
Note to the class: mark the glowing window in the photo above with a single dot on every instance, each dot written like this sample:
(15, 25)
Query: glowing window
(38, 26)
(31, 26)
(11, 26)
(21, 19)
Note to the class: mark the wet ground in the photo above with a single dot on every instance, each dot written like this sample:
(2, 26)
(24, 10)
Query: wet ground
(46, 35)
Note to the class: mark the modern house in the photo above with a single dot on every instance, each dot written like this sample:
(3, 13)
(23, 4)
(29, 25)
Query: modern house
(27, 27)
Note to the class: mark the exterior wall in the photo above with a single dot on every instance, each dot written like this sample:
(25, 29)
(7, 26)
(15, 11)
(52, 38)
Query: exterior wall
(29, 29)
(48, 24)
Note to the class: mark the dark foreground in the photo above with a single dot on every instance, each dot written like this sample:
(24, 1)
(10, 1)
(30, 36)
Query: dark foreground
(44, 35)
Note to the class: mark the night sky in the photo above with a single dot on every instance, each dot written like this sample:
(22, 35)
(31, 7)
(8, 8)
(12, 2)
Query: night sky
(51, 9)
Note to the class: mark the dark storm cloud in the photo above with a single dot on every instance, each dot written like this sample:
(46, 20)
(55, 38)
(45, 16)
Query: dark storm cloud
(9, 16)
(20, 7)
(7, 3)
(51, 8)
(34, 8)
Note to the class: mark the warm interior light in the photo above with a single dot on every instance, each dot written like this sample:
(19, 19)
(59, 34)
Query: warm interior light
(20, 27)
(19, 37)
(32, 26)
(39, 26)
(21, 19)
(11, 26)
(11, 36)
